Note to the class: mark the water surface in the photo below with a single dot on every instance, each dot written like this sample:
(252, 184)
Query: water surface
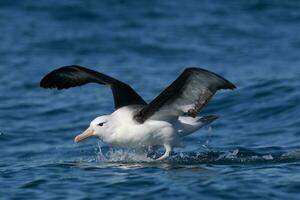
(252, 151)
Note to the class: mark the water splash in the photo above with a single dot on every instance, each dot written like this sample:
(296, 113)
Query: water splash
(121, 155)
(291, 155)
(100, 156)
(229, 155)
(207, 140)
(235, 156)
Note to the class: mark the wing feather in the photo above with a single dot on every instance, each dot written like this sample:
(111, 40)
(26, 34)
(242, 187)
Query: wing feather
(74, 75)
(187, 95)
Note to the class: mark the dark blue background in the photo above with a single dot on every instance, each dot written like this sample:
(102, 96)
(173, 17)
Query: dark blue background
(252, 151)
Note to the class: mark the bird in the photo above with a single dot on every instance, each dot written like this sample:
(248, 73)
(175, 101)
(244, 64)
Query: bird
(134, 123)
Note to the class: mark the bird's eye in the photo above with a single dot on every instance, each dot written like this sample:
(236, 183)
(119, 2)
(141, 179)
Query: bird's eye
(101, 124)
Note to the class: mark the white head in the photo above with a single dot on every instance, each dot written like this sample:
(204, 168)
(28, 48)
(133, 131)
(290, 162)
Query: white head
(98, 128)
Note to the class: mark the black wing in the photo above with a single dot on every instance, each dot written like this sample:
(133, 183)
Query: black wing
(187, 95)
(73, 75)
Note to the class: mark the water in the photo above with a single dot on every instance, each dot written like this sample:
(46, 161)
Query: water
(251, 151)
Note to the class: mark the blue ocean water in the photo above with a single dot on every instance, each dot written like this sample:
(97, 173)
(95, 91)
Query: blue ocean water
(251, 152)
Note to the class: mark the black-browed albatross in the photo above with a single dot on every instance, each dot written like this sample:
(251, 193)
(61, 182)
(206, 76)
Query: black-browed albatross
(136, 124)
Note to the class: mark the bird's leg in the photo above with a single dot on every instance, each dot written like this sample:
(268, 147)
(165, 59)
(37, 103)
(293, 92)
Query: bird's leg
(167, 152)
(152, 151)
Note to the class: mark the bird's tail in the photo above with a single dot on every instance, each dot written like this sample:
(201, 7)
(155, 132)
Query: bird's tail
(189, 125)
(208, 119)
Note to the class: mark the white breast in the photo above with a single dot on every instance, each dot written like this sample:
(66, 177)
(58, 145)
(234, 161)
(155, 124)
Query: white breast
(126, 132)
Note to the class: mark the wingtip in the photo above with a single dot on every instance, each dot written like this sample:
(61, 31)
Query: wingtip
(226, 84)
(230, 85)
(43, 83)
(48, 81)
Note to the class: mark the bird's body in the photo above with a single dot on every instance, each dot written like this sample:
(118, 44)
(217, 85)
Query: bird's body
(121, 129)
(124, 131)
(136, 124)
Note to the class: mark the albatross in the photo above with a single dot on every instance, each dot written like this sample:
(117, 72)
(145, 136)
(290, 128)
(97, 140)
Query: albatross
(163, 122)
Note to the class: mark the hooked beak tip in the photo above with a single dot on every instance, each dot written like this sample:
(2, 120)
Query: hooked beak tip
(76, 139)
(86, 134)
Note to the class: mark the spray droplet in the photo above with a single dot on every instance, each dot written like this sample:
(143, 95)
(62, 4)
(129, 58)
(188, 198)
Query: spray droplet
(209, 129)
(268, 157)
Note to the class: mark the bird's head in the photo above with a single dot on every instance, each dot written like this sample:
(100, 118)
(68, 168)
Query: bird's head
(98, 128)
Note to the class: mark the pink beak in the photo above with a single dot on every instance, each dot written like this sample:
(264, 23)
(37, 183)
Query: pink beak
(86, 134)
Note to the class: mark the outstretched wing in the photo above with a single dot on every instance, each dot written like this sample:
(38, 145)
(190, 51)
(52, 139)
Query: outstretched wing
(187, 95)
(74, 75)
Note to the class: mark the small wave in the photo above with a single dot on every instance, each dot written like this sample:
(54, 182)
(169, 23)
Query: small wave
(33, 184)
